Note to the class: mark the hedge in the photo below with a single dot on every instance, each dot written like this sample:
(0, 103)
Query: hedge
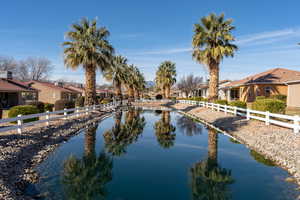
(271, 105)
(40, 105)
(239, 104)
(62, 104)
(280, 97)
(222, 102)
(23, 110)
(49, 107)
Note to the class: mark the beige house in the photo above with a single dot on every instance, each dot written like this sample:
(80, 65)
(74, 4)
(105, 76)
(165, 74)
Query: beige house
(51, 92)
(278, 81)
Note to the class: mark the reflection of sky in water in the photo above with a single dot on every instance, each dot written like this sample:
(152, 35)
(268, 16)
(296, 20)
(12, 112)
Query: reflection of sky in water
(149, 171)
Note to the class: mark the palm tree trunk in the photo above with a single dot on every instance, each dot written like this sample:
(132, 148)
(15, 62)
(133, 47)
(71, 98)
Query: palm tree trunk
(213, 82)
(131, 93)
(212, 147)
(90, 140)
(118, 89)
(118, 119)
(90, 85)
(166, 117)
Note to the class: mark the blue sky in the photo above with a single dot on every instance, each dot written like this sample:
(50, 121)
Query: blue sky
(149, 32)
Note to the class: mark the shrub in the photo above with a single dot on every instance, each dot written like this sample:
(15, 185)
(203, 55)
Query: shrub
(49, 107)
(260, 97)
(280, 97)
(105, 101)
(23, 110)
(158, 97)
(40, 105)
(62, 104)
(147, 96)
(239, 104)
(271, 105)
(79, 102)
(222, 102)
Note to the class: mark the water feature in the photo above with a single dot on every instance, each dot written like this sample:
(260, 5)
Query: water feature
(151, 155)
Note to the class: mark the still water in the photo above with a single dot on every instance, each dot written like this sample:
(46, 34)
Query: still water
(158, 155)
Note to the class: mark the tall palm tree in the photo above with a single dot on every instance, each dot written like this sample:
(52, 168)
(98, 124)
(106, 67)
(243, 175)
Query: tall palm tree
(117, 74)
(135, 81)
(166, 77)
(88, 47)
(140, 84)
(209, 180)
(164, 130)
(211, 43)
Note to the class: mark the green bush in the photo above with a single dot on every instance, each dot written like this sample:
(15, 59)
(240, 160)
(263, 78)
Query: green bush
(49, 107)
(62, 104)
(222, 102)
(79, 102)
(40, 105)
(260, 97)
(104, 101)
(239, 104)
(23, 110)
(280, 97)
(271, 105)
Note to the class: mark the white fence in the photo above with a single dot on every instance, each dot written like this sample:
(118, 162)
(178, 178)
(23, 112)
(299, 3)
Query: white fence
(292, 122)
(50, 116)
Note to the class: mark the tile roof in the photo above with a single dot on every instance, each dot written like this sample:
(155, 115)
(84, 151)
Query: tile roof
(9, 85)
(277, 75)
(53, 86)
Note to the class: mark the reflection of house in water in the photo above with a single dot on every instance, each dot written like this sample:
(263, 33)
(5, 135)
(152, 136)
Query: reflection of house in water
(276, 81)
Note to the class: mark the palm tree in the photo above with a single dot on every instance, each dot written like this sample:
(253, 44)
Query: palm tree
(86, 178)
(140, 84)
(88, 47)
(117, 74)
(209, 180)
(164, 130)
(211, 43)
(135, 81)
(166, 77)
(121, 136)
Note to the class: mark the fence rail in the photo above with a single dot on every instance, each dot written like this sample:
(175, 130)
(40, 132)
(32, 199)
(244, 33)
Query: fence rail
(287, 121)
(50, 116)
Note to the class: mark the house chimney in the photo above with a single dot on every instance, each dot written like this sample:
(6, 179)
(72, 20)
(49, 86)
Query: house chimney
(6, 74)
(59, 84)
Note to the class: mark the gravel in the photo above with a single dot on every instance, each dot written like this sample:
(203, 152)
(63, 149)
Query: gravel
(20, 153)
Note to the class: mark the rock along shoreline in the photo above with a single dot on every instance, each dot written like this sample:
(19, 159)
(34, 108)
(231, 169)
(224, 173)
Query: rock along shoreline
(20, 153)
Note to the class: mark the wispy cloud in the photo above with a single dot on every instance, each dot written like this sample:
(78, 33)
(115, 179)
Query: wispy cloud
(268, 37)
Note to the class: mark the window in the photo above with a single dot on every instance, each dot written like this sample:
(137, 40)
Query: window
(268, 91)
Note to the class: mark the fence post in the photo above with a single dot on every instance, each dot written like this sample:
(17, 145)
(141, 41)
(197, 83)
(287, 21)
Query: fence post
(267, 118)
(87, 110)
(296, 123)
(248, 114)
(20, 123)
(218, 107)
(47, 118)
(235, 110)
(225, 109)
(76, 111)
(65, 113)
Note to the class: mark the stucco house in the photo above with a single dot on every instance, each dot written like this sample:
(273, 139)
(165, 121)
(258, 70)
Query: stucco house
(14, 92)
(202, 90)
(272, 82)
(51, 92)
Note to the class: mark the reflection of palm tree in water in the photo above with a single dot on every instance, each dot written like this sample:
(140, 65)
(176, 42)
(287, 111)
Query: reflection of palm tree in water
(188, 126)
(121, 136)
(164, 130)
(209, 180)
(86, 178)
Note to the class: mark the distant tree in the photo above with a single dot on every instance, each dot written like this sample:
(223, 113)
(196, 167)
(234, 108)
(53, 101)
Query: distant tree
(8, 64)
(189, 83)
(34, 69)
(211, 43)
(166, 77)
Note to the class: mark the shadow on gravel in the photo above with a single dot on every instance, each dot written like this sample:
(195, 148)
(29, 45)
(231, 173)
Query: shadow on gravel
(230, 123)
